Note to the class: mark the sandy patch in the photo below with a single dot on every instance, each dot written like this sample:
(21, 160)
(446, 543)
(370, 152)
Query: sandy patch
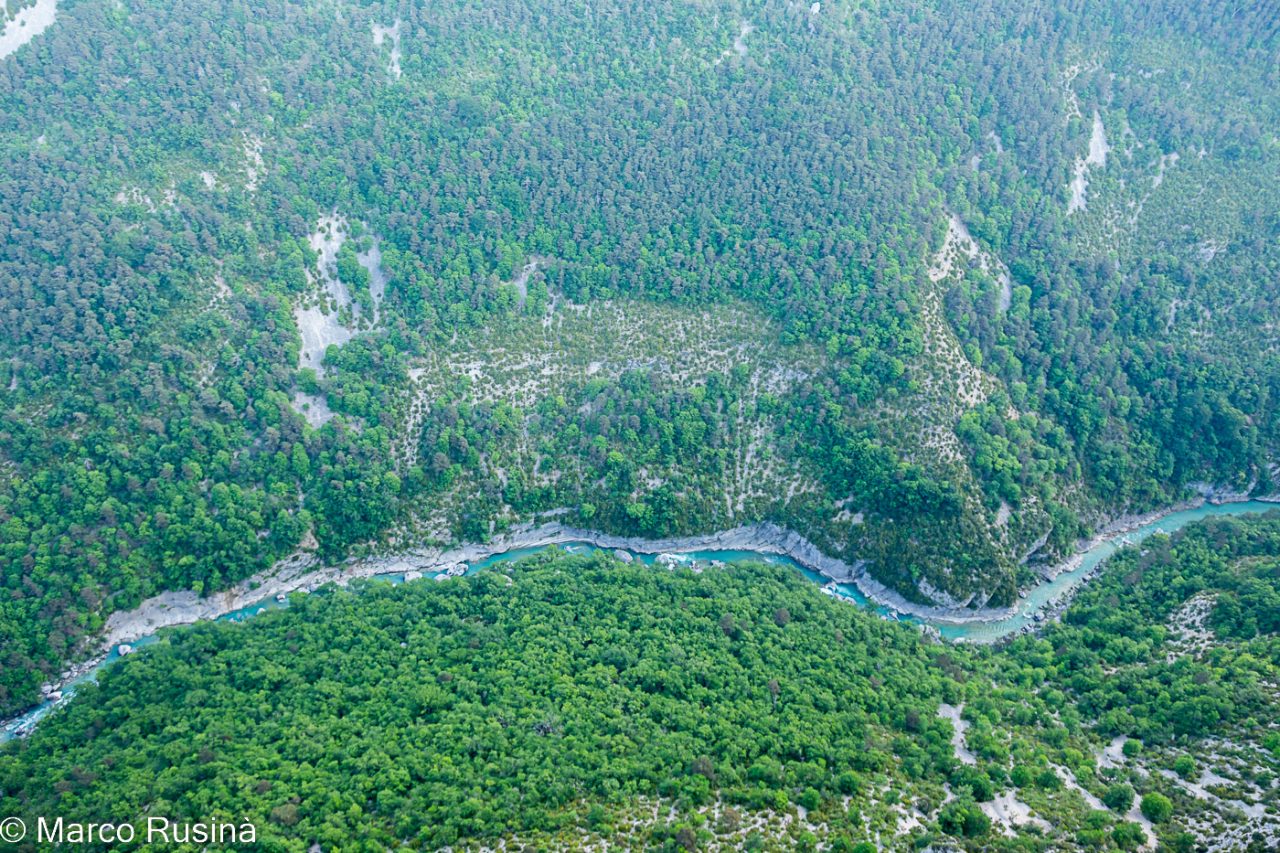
(320, 324)
(521, 281)
(254, 166)
(1096, 158)
(739, 43)
(380, 35)
(1210, 249)
(135, 195)
(1188, 633)
(959, 726)
(1166, 161)
(1112, 755)
(1009, 813)
(328, 316)
(959, 245)
(371, 260)
(313, 407)
(29, 22)
(1135, 813)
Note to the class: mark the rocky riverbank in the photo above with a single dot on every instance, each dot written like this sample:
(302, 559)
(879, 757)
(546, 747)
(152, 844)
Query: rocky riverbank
(1116, 529)
(301, 573)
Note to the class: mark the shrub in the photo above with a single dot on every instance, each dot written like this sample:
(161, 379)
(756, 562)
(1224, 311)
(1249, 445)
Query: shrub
(1157, 807)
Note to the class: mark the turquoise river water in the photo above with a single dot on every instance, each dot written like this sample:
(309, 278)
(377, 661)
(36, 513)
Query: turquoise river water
(1024, 615)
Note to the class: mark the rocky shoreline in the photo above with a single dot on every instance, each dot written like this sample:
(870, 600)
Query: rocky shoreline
(1118, 527)
(292, 575)
(299, 573)
(1132, 521)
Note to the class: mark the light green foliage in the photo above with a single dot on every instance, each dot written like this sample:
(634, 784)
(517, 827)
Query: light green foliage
(735, 696)
(158, 204)
(1156, 807)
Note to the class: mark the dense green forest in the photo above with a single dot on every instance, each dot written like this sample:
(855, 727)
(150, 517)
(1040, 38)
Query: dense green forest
(261, 266)
(564, 700)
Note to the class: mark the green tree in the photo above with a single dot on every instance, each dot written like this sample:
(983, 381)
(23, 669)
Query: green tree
(1156, 807)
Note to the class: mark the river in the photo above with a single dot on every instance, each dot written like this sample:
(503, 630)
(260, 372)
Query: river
(1029, 610)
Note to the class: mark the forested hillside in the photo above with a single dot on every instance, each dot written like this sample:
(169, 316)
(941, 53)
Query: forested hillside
(936, 284)
(563, 701)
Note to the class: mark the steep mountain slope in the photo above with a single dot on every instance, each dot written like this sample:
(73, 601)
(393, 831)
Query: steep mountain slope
(925, 283)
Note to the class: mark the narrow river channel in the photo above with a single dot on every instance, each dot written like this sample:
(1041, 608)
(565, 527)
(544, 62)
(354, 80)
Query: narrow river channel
(1027, 612)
